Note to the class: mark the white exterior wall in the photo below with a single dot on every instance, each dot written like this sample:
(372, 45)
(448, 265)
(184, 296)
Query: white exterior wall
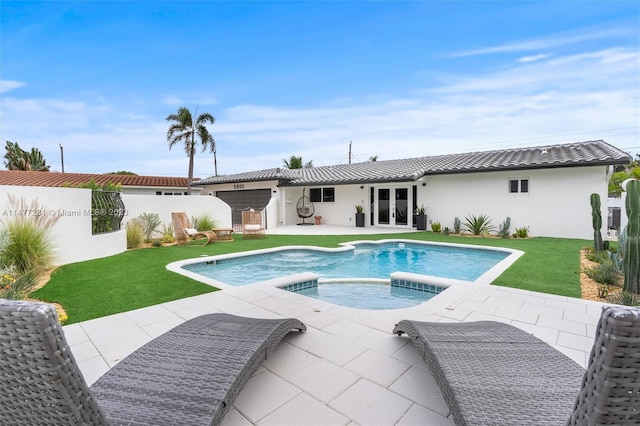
(71, 234)
(340, 212)
(193, 205)
(557, 205)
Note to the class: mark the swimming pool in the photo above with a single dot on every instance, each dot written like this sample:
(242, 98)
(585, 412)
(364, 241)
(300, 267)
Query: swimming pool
(363, 259)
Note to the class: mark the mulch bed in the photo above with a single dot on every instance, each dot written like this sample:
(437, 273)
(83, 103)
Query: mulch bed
(588, 286)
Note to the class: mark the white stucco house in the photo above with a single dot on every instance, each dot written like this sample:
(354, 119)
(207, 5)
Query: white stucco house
(545, 188)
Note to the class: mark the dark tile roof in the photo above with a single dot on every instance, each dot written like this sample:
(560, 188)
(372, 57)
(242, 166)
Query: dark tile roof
(54, 179)
(589, 153)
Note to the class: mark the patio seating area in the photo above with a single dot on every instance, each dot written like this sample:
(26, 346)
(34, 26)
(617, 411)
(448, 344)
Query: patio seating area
(348, 366)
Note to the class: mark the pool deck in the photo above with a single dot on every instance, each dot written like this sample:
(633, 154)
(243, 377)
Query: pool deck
(347, 368)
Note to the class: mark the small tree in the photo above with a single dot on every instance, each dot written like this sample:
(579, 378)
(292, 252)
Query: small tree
(17, 158)
(150, 223)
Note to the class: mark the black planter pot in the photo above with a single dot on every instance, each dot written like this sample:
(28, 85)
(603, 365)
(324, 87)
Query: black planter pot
(421, 222)
(360, 220)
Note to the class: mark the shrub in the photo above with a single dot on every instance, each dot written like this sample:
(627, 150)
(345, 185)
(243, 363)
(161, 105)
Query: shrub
(14, 285)
(625, 298)
(203, 222)
(167, 233)
(456, 225)
(503, 231)
(604, 273)
(598, 256)
(135, 233)
(603, 291)
(150, 223)
(156, 243)
(436, 227)
(617, 257)
(25, 244)
(478, 225)
(446, 230)
(522, 232)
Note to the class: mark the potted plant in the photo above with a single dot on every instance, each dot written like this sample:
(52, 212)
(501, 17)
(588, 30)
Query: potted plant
(359, 215)
(421, 218)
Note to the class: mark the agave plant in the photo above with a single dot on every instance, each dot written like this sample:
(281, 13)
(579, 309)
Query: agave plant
(478, 225)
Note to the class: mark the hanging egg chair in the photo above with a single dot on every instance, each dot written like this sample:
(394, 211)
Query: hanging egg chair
(305, 208)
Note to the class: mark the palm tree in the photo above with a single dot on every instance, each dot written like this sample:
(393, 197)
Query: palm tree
(295, 162)
(184, 130)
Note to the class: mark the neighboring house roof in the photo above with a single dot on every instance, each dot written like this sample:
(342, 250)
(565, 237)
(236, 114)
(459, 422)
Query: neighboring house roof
(54, 179)
(589, 153)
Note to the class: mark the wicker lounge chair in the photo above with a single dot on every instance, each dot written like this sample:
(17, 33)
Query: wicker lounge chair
(252, 226)
(185, 232)
(187, 376)
(494, 373)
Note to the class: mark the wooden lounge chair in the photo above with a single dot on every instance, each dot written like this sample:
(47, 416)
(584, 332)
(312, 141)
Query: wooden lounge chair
(185, 232)
(187, 376)
(495, 373)
(252, 226)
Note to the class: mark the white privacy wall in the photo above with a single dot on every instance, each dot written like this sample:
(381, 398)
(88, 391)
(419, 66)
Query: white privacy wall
(557, 205)
(71, 234)
(192, 205)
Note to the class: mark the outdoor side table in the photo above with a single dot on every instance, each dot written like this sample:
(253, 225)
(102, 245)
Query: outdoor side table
(224, 234)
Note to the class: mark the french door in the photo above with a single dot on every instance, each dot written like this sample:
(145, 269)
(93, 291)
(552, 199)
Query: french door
(392, 206)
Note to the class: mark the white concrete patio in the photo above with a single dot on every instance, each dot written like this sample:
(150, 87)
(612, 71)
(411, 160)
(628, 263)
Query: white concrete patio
(347, 368)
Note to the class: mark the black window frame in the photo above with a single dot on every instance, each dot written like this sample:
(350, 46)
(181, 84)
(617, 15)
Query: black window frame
(322, 195)
(315, 195)
(518, 186)
(328, 195)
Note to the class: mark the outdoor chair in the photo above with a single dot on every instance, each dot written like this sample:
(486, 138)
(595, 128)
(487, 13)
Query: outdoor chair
(495, 373)
(252, 226)
(188, 376)
(185, 232)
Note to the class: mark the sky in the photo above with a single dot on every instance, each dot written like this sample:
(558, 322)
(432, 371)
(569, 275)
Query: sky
(330, 81)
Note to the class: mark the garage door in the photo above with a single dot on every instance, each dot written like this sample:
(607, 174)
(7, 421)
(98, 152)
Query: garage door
(256, 199)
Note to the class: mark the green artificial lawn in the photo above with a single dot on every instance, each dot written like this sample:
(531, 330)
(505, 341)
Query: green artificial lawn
(139, 278)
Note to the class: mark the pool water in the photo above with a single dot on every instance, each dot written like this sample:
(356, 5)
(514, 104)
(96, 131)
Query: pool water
(367, 260)
(365, 295)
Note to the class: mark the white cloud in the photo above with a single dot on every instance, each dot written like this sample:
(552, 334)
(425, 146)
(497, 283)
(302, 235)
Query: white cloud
(533, 58)
(9, 85)
(554, 40)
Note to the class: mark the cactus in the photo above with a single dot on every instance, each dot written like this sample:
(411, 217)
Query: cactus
(631, 260)
(596, 218)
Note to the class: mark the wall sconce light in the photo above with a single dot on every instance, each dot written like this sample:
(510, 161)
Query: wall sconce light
(361, 186)
(424, 184)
